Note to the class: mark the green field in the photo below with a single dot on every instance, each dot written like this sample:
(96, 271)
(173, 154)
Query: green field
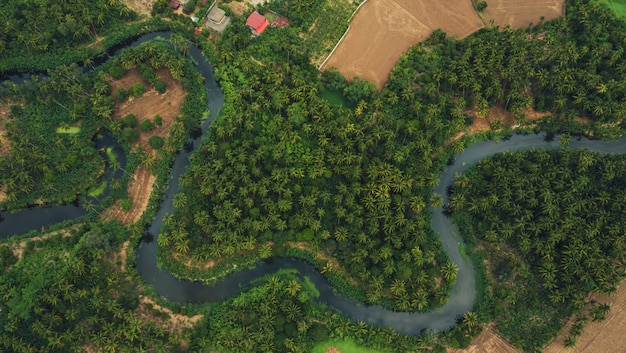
(344, 346)
(618, 6)
(334, 98)
(97, 191)
(68, 130)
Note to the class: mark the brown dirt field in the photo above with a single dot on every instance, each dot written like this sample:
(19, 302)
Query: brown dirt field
(604, 336)
(487, 342)
(237, 7)
(332, 349)
(384, 29)
(142, 7)
(517, 13)
(151, 103)
(139, 191)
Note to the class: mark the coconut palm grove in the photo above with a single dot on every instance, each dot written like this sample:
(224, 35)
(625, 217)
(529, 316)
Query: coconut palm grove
(172, 184)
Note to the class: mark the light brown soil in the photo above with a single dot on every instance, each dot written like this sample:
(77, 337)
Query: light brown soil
(175, 323)
(238, 7)
(599, 337)
(487, 342)
(332, 349)
(142, 7)
(384, 29)
(19, 247)
(521, 13)
(139, 191)
(151, 103)
(5, 147)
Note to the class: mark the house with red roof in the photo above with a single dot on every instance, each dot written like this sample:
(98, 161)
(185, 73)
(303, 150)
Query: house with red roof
(257, 22)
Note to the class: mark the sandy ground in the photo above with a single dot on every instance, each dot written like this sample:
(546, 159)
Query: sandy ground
(518, 13)
(142, 7)
(139, 191)
(384, 29)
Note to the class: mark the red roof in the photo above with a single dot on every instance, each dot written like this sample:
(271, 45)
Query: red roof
(257, 22)
(175, 3)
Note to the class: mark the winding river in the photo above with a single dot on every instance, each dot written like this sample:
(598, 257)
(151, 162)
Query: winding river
(463, 293)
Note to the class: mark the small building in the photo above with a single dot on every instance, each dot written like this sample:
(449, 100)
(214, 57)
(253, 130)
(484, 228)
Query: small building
(257, 22)
(217, 19)
(175, 4)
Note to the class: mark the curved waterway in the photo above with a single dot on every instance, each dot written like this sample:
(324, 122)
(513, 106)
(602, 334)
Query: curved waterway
(463, 293)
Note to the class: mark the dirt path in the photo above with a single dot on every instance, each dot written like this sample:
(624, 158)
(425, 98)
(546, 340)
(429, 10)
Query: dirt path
(384, 29)
(518, 13)
(175, 322)
(5, 147)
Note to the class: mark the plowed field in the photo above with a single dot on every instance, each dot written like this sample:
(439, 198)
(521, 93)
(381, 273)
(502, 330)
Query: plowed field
(487, 342)
(382, 30)
(520, 13)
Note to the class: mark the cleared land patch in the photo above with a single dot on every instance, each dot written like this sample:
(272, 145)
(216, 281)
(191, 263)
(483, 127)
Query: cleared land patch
(5, 148)
(518, 13)
(142, 7)
(139, 191)
(384, 29)
(487, 342)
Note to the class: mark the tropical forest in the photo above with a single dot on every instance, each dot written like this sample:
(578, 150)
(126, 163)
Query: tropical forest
(174, 178)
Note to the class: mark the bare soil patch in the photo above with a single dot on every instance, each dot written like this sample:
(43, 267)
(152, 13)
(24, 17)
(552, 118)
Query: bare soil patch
(175, 323)
(604, 336)
(151, 103)
(142, 7)
(487, 342)
(238, 7)
(19, 247)
(384, 29)
(332, 349)
(139, 191)
(518, 13)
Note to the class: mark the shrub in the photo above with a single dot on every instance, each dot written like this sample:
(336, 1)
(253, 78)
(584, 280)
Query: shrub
(120, 95)
(481, 6)
(126, 204)
(130, 135)
(189, 7)
(7, 258)
(146, 125)
(160, 86)
(130, 121)
(158, 121)
(138, 89)
(117, 72)
(156, 142)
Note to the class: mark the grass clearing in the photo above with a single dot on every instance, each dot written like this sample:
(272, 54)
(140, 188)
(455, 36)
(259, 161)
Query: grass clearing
(97, 191)
(334, 97)
(343, 346)
(618, 6)
(68, 130)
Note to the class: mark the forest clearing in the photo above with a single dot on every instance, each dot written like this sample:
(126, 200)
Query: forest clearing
(382, 30)
(150, 104)
(520, 14)
(5, 147)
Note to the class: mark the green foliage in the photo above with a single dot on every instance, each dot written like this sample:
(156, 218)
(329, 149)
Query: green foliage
(130, 135)
(7, 258)
(117, 72)
(146, 125)
(158, 120)
(160, 86)
(156, 142)
(481, 6)
(126, 204)
(130, 121)
(138, 89)
(189, 6)
(559, 212)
